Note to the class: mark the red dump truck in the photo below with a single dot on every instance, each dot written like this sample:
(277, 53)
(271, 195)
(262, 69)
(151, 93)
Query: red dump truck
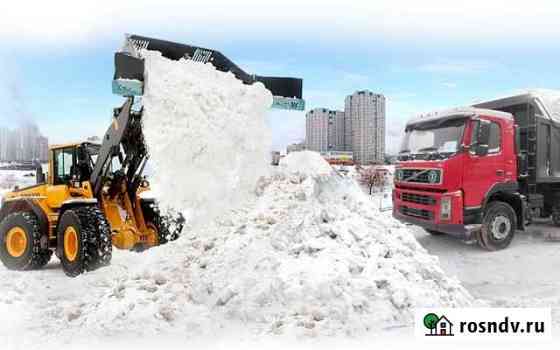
(483, 171)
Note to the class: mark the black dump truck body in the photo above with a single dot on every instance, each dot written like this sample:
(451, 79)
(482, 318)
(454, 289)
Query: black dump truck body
(537, 116)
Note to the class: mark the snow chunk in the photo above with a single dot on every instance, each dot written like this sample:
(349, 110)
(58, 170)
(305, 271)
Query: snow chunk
(305, 162)
(206, 134)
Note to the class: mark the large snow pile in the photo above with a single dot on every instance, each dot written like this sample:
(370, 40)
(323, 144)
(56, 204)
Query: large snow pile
(305, 162)
(206, 134)
(309, 255)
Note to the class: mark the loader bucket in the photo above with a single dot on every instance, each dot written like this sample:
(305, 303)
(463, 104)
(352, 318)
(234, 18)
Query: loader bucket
(129, 70)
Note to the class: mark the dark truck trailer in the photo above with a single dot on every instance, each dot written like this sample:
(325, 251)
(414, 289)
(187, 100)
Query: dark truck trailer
(537, 118)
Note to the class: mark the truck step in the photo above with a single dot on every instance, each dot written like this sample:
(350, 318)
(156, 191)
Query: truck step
(552, 236)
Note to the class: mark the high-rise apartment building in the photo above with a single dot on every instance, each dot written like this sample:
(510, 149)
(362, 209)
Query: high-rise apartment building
(365, 126)
(23, 144)
(324, 130)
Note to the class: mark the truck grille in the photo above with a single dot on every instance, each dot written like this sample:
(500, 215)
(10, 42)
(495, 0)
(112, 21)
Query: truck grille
(417, 198)
(417, 213)
(428, 176)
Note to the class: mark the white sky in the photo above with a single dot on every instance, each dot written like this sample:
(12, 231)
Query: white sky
(64, 22)
(48, 26)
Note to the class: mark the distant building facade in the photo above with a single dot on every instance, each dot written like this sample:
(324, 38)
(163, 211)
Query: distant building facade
(296, 147)
(360, 129)
(366, 113)
(324, 130)
(24, 143)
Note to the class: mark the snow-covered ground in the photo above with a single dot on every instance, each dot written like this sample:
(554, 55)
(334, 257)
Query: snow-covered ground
(252, 279)
(525, 274)
(298, 253)
(309, 255)
(11, 178)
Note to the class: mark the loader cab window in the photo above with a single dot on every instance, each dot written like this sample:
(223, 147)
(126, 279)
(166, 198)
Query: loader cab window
(63, 165)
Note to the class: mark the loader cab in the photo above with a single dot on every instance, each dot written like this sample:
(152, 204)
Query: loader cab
(71, 162)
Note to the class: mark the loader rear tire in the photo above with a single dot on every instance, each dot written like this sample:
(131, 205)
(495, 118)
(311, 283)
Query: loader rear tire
(83, 240)
(20, 238)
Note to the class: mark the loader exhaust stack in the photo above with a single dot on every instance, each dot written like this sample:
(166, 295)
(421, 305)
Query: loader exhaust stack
(129, 70)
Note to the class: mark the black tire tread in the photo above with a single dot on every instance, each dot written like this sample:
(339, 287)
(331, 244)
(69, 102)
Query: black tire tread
(95, 237)
(484, 239)
(556, 215)
(162, 223)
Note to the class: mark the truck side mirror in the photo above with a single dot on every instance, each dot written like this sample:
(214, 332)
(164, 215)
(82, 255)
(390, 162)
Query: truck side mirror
(481, 150)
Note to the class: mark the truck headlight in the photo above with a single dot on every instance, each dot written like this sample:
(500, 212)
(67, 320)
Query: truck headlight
(445, 208)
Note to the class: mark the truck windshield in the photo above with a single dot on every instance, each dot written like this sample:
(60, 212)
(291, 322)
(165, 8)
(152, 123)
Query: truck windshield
(444, 138)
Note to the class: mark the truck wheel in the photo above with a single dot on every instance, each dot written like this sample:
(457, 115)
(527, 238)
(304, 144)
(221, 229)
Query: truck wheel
(84, 240)
(556, 216)
(20, 237)
(434, 233)
(498, 226)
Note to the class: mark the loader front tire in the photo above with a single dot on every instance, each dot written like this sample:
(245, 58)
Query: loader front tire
(83, 240)
(20, 242)
(168, 227)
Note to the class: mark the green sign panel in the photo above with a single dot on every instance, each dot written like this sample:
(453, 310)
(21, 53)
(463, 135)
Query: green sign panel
(288, 103)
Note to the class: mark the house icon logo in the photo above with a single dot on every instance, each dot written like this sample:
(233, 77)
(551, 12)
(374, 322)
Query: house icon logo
(438, 326)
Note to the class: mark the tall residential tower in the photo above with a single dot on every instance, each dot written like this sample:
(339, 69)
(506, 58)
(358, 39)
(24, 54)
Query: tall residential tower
(365, 126)
(324, 130)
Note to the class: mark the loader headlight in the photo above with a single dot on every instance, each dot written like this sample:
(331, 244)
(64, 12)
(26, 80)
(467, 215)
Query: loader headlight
(445, 208)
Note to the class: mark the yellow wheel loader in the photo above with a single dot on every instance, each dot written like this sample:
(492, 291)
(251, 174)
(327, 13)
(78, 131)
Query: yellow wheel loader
(90, 200)
(92, 197)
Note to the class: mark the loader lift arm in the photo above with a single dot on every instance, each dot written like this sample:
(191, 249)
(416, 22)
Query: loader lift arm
(124, 140)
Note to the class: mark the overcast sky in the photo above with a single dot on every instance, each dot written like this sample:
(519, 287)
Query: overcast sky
(56, 61)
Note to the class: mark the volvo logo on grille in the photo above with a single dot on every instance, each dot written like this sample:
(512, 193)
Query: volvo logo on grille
(433, 176)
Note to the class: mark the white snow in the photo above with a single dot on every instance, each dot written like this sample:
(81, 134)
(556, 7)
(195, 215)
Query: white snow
(308, 255)
(11, 178)
(301, 251)
(306, 162)
(523, 275)
(206, 135)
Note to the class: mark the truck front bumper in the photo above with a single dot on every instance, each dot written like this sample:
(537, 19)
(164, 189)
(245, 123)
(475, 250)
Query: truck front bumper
(422, 208)
(461, 231)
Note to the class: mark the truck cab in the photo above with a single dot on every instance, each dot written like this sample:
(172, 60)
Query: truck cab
(482, 172)
(451, 165)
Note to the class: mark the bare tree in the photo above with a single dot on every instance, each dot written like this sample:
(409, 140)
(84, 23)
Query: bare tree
(373, 177)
